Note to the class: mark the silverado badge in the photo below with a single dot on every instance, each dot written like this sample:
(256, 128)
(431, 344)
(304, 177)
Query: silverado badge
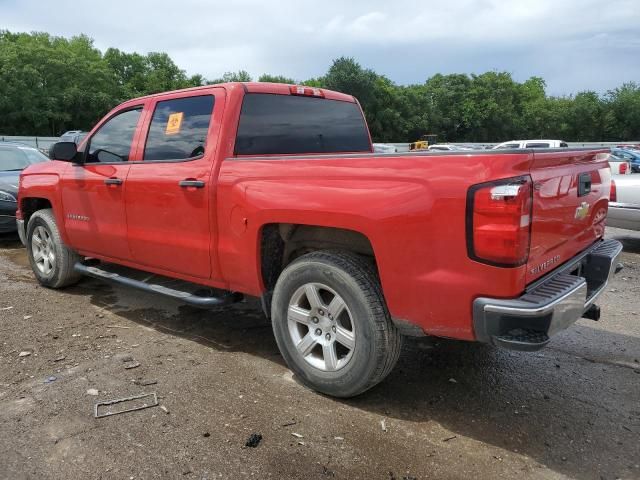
(545, 265)
(582, 211)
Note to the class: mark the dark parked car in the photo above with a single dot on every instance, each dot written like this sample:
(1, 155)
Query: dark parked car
(632, 156)
(13, 159)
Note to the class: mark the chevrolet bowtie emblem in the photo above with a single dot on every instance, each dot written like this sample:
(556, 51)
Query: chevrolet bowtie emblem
(582, 211)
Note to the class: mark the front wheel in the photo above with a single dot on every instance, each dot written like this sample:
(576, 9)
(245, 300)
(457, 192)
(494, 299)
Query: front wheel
(51, 260)
(332, 325)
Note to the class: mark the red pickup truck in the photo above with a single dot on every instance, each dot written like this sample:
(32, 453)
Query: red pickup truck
(272, 191)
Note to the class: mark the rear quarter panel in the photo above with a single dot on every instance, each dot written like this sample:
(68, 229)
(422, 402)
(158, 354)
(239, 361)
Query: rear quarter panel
(410, 207)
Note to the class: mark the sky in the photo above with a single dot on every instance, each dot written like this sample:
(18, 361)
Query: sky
(574, 45)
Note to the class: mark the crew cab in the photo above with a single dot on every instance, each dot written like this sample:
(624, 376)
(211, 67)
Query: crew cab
(273, 191)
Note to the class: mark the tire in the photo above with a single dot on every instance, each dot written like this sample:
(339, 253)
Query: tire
(338, 354)
(51, 260)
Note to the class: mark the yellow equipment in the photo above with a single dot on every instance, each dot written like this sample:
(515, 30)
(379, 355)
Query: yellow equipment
(424, 142)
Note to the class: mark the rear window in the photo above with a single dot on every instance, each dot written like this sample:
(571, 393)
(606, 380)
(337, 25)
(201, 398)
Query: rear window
(283, 124)
(537, 145)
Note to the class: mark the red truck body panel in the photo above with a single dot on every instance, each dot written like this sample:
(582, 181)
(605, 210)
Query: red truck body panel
(556, 233)
(411, 207)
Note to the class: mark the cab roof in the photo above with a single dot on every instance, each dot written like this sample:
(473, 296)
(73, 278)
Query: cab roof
(251, 87)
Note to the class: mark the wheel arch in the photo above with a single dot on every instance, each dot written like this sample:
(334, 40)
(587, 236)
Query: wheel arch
(30, 204)
(281, 243)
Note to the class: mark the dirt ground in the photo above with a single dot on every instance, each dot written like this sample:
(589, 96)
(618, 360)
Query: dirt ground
(449, 410)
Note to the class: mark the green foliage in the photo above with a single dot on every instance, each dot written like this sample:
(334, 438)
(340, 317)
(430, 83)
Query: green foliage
(239, 76)
(265, 77)
(491, 107)
(47, 82)
(51, 84)
(623, 112)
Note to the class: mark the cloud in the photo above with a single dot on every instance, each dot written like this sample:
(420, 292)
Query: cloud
(573, 44)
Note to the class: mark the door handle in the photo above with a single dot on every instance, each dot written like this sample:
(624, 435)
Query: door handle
(113, 181)
(191, 183)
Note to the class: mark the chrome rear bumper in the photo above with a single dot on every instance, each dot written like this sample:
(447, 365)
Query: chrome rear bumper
(550, 305)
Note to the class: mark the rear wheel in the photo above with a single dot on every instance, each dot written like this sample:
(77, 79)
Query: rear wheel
(332, 325)
(51, 260)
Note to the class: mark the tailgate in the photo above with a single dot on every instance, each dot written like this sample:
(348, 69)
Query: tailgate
(570, 198)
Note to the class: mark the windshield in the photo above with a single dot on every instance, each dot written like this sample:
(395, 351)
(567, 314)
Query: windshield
(14, 158)
(628, 154)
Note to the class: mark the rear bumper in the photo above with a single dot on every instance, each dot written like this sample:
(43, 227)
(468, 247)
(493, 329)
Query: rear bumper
(549, 305)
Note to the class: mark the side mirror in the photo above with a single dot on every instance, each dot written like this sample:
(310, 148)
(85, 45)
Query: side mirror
(64, 151)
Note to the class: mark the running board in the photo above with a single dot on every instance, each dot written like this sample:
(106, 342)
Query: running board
(187, 297)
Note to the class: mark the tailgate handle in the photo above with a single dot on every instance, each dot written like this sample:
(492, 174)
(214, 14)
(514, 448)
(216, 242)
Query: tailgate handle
(584, 184)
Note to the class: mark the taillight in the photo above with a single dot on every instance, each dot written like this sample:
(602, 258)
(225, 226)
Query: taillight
(613, 193)
(623, 168)
(306, 91)
(499, 222)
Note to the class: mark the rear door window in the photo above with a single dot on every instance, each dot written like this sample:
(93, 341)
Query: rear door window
(508, 146)
(289, 124)
(179, 128)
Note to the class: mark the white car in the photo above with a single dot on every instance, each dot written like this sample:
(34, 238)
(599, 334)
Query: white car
(624, 205)
(619, 166)
(384, 148)
(531, 144)
(447, 147)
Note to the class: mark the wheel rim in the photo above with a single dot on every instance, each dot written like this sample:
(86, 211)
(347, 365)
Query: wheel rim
(321, 327)
(43, 250)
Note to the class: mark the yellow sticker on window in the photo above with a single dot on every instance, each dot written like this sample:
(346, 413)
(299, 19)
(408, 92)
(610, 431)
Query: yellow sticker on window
(174, 123)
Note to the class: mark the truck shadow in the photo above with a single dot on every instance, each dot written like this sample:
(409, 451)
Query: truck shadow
(9, 240)
(237, 327)
(575, 414)
(629, 239)
(631, 244)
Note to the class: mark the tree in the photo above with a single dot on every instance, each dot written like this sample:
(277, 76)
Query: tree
(265, 77)
(586, 117)
(489, 107)
(239, 76)
(444, 98)
(622, 120)
(380, 98)
(51, 84)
